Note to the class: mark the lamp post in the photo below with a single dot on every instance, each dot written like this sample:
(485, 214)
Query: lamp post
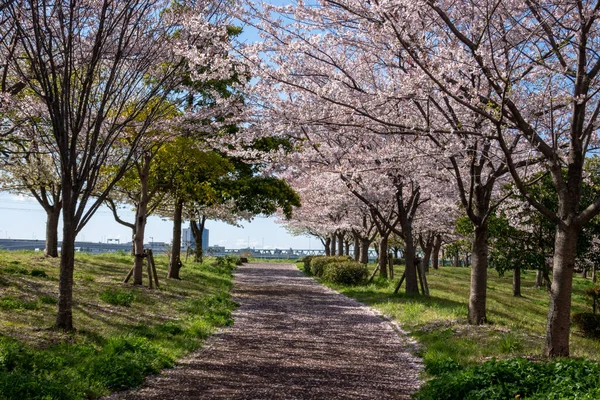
(152, 242)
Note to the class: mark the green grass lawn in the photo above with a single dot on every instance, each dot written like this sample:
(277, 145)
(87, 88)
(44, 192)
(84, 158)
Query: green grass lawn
(122, 332)
(516, 324)
(494, 361)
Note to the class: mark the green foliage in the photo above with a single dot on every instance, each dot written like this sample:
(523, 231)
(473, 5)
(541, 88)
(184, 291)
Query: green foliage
(594, 294)
(345, 272)
(515, 378)
(124, 362)
(588, 323)
(40, 273)
(233, 260)
(117, 297)
(13, 303)
(306, 263)
(14, 270)
(48, 300)
(317, 263)
(113, 350)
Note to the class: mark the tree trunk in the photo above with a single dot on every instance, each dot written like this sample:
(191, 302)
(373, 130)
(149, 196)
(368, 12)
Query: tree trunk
(333, 244)
(327, 246)
(559, 313)
(340, 245)
(477, 296)
(356, 248)
(383, 257)
(412, 285)
(436, 252)
(52, 217)
(517, 282)
(347, 248)
(594, 273)
(140, 223)
(175, 262)
(456, 260)
(64, 317)
(584, 272)
(539, 278)
(364, 250)
(427, 247)
(197, 231)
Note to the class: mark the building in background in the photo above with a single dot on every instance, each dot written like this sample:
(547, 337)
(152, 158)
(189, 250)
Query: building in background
(187, 239)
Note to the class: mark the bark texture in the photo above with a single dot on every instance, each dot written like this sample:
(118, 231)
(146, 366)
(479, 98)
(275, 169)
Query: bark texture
(559, 313)
(52, 218)
(478, 290)
(175, 261)
(383, 257)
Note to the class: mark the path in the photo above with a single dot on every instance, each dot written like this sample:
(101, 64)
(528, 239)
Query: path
(292, 339)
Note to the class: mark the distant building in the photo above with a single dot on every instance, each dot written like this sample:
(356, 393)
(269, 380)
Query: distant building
(187, 238)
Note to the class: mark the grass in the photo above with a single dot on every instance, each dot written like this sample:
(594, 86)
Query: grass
(123, 332)
(516, 325)
(460, 356)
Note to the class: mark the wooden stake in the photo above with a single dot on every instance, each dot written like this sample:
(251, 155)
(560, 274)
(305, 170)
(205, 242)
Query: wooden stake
(373, 274)
(129, 275)
(149, 269)
(151, 258)
(400, 283)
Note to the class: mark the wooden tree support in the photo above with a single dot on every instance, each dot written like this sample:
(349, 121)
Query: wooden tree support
(422, 279)
(399, 285)
(150, 268)
(373, 274)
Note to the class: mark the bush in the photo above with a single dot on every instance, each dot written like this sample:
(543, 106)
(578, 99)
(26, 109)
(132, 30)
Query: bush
(345, 273)
(48, 300)
(234, 260)
(40, 273)
(515, 378)
(117, 297)
(306, 263)
(317, 264)
(588, 323)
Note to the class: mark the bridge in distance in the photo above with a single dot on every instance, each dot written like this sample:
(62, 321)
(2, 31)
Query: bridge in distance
(161, 247)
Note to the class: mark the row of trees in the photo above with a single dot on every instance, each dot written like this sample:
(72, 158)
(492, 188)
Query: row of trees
(426, 110)
(127, 102)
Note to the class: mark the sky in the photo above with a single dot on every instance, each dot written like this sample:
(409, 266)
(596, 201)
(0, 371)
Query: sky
(23, 218)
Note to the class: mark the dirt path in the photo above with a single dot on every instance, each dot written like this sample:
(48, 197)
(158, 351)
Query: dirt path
(292, 339)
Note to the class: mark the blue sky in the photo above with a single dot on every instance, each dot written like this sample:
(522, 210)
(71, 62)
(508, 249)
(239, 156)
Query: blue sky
(23, 218)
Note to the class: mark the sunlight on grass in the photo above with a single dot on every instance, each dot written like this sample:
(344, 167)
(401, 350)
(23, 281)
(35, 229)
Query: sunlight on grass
(123, 332)
(516, 324)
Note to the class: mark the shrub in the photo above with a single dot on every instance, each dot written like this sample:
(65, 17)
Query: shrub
(317, 264)
(39, 273)
(306, 263)
(515, 378)
(234, 260)
(48, 300)
(345, 273)
(588, 323)
(117, 297)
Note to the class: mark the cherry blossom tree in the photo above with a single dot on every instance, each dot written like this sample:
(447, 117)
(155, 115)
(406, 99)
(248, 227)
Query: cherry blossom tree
(95, 67)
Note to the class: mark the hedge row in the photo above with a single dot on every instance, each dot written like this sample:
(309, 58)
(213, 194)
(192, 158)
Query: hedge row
(337, 269)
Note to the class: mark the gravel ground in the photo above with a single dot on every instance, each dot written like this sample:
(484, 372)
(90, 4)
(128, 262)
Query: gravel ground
(293, 339)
